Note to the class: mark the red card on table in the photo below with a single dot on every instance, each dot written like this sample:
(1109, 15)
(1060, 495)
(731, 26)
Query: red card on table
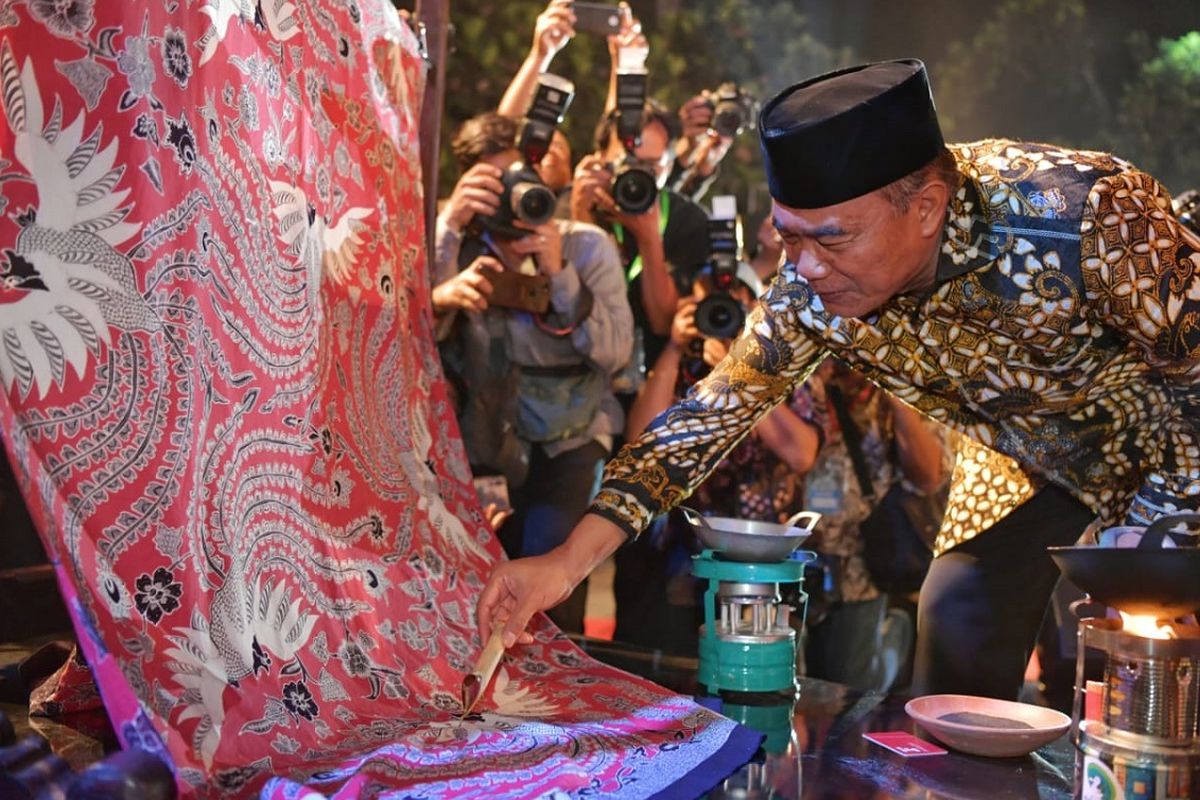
(904, 744)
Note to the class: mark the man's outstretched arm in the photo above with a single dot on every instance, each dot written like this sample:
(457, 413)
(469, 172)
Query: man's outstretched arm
(658, 471)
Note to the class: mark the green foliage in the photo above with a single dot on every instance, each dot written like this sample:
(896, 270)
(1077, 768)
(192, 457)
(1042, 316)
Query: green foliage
(1073, 73)
(1027, 73)
(1159, 115)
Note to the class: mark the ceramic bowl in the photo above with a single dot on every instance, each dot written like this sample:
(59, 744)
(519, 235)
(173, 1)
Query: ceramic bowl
(985, 726)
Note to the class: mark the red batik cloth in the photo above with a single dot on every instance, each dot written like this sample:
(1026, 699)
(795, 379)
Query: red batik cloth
(223, 401)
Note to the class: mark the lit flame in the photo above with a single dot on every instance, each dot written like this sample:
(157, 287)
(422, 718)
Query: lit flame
(1146, 625)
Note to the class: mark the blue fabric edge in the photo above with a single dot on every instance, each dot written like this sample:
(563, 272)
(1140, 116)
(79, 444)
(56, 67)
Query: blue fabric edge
(738, 749)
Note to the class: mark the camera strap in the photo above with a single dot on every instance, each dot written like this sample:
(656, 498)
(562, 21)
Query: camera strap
(586, 301)
(664, 214)
(853, 437)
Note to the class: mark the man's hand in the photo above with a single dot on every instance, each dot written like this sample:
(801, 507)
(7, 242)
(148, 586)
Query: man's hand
(700, 147)
(683, 327)
(477, 192)
(696, 117)
(496, 516)
(544, 243)
(469, 290)
(711, 148)
(590, 190)
(715, 350)
(554, 28)
(629, 36)
(519, 589)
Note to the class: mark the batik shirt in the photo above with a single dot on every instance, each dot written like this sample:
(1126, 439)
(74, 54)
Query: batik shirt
(1063, 331)
(755, 483)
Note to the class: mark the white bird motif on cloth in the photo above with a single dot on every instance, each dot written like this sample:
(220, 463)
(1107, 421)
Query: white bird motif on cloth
(277, 16)
(71, 282)
(318, 246)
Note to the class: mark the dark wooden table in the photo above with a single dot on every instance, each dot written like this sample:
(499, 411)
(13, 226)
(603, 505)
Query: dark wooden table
(825, 757)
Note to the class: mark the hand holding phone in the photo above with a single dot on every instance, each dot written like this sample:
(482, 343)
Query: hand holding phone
(553, 29)
(599, 18)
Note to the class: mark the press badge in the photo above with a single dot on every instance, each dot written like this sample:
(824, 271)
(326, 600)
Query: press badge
(825, 493)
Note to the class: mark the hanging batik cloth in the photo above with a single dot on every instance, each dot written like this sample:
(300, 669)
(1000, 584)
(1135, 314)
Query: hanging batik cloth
(222, 397)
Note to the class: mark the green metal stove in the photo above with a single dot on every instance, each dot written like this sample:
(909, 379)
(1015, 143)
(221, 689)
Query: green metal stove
(746, 642)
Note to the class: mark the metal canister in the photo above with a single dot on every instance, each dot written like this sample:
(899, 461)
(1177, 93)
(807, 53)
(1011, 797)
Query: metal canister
(1151, 686)
(1111, 765)
(1155, 696)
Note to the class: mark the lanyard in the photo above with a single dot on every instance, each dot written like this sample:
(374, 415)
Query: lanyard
(664, 214)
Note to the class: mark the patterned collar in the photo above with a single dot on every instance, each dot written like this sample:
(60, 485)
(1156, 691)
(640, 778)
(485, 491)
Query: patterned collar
(966, 245)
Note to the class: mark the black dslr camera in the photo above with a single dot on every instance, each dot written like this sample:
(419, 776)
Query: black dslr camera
(719, 315)
(733, 109)
(526, 197)
(634, 187)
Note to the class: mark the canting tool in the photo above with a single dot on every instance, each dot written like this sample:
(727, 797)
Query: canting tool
(474, 684)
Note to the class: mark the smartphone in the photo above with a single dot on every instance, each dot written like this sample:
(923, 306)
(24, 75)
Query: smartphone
(524, 292)
(600, 18)
(492, 489)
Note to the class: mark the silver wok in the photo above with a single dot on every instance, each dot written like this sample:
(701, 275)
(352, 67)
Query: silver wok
(750, 540)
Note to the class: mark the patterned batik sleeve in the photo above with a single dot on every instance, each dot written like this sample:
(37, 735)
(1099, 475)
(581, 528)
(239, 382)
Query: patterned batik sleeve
(1141, 270)
(683, 444)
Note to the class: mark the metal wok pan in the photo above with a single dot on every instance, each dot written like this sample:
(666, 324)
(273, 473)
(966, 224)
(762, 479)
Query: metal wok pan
(1146, 579)
(750, 540)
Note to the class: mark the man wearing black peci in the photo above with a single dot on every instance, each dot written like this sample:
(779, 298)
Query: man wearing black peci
(1043, 301)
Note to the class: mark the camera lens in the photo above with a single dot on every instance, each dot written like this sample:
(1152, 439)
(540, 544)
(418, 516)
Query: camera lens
(634, 190)
(727, 120)
(532, 203)
(719, 316)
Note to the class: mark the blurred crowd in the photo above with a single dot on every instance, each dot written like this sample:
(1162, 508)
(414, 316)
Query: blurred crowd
(578, 296)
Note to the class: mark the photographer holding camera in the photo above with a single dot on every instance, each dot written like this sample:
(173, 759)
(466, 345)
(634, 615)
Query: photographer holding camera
(658, 600)
(533, 321)
(552, 30)
(711, 121)
(661, 235)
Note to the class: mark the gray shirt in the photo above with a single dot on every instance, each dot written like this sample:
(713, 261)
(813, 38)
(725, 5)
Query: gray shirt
(603, 340)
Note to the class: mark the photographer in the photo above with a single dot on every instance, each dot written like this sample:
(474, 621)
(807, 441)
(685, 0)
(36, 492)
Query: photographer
(710, 122)
(551, 32)
(658, 600)
(662, 246)
(535, 403)
(662, 236)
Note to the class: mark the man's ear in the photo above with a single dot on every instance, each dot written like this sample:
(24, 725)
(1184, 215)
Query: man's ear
(930, 206)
